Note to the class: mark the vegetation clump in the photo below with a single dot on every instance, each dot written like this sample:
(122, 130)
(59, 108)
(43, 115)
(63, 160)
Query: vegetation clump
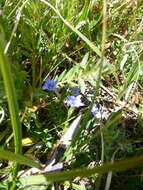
(71, 81)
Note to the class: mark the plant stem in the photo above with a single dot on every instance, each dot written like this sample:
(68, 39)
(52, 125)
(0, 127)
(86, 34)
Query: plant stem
(104, 27)
(12, 103)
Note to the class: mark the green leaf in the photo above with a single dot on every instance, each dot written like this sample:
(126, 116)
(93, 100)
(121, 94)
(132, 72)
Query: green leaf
(114, 119)
(84, 61)
(84, 13)
(12, 101)
(82, 36)
(18, 158)
(133, 75)
(62, 75)
(82, 172)
(82, 85)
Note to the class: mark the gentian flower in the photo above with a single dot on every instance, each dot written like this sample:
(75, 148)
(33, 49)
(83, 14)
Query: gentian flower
(94, 110)
(75, 91)
(74, 101)
(50, 85)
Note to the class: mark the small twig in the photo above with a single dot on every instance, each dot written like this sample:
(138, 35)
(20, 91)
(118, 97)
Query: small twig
(108, 91)
(69, 58)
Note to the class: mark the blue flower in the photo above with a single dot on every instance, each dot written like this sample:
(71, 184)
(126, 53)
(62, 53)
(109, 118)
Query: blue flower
(94, 110)
(74, 101)
(75, 91)
(50, 85)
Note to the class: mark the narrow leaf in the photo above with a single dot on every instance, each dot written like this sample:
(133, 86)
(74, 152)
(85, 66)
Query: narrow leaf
(84, 172)
(18, 158)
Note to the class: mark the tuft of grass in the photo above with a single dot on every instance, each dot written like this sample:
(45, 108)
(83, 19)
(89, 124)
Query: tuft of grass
(12, 103)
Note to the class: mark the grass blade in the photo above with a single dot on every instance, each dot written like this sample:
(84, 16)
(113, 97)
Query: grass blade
(83, 37)
(12, 102)
(18, 158)
(84, 172)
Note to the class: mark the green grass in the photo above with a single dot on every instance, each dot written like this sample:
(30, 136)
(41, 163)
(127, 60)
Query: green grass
(93, 45)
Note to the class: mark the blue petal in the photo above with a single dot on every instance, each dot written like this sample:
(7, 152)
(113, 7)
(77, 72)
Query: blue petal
(50, 85)
(74, 101)
(94, 110)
